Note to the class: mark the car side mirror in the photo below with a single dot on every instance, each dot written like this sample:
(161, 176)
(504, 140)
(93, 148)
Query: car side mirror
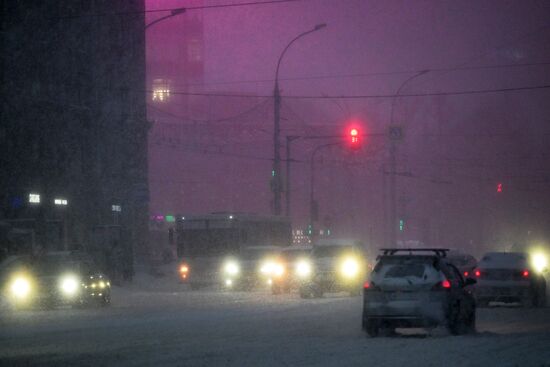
(469, 281)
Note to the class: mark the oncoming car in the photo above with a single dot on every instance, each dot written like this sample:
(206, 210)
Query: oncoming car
(510, 277)
(286, 279)
(332, 267)
(55, 279)
(252, 267)
(417, 288)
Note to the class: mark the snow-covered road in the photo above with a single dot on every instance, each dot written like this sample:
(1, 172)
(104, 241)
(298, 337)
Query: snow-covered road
(168, 325)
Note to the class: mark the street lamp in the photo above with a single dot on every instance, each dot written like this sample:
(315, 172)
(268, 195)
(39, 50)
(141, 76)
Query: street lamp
(393, 163)
(173, 13)
(276, 129)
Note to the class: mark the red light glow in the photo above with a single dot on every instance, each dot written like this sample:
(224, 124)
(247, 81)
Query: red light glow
(466, 273)
(525, 273)
(478, 273)
(366, 285)
(446, 284)
(353, 132)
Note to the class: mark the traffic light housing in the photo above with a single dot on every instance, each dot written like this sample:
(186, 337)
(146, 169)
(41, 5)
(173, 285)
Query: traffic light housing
(354, 138)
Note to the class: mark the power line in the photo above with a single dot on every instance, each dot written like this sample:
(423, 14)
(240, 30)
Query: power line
(190, 8)
(223, 119)
(365, 96)
(363, 75)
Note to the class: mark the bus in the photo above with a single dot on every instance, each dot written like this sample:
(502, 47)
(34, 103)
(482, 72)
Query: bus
(205, 241)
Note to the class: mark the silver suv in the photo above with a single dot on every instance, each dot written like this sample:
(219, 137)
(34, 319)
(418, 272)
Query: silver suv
(417, 288)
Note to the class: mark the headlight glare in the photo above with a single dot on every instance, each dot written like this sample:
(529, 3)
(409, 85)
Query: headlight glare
(540, 262)
(350, 268)
(20, 287)
(69, 285)
(303, 268)
(232, 268)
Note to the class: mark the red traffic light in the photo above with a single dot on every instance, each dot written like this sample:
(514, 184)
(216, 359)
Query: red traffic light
(354, 138)
(499, 187)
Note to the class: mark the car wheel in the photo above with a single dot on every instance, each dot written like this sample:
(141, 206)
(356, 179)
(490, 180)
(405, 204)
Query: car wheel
(372, 327)
(456, 323)
(275, 289)
(471, 322)
(105, 301)
(541, 296)
(305, 292)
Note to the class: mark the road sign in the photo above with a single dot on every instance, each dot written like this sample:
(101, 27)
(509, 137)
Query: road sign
(395, 132)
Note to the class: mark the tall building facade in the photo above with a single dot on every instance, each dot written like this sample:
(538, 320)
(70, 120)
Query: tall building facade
(73, 132)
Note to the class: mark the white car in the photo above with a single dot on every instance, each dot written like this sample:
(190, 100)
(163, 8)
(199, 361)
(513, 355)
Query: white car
(509, 277)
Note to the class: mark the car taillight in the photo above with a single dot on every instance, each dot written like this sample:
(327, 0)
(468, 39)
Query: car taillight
(445, 284)
(466, 273)
(370, 286)
(477, 273)
(525, 273)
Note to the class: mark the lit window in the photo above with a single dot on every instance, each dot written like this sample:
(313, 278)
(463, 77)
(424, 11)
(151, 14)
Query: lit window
(34, 198)
(116, 208)
(161, 90)
(60, 201)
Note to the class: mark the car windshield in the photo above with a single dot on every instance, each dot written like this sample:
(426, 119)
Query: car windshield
(257, 253)
(52, 265)
(330, 251)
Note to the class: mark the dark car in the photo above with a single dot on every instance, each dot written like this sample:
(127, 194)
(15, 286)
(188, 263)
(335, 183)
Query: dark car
(509, 277)
(465, 263)
(54, 279)
(333, 267)
(284, 277)
(251, 268)
(417, 288)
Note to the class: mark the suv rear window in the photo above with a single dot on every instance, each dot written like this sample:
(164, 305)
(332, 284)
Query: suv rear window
(405, 270)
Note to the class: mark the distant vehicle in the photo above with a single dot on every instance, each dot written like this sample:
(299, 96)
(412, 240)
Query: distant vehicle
(252, 268)
(54, 279)
(417, 288)
(289, 260)
(509, 277)
(205, 242)
(465, 263)
(333, 267)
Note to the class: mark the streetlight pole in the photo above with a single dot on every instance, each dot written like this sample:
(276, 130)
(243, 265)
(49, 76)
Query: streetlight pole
(276, 172)
(173, 13)
(393, 165)
(312, 183)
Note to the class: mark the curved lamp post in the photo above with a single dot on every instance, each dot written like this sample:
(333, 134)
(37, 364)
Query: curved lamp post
(276, 173)
(393, 164)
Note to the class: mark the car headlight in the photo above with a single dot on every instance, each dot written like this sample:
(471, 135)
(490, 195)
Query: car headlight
(69, 285)
(303, 268)
(350, 268)
(272, 268)
(540, 262)
(232, 268)
(20, 287)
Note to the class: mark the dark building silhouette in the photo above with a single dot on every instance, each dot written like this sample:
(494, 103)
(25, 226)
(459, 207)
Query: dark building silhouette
(73, 124)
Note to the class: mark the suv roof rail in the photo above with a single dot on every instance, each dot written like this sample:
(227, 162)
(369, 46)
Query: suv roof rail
(440, 252)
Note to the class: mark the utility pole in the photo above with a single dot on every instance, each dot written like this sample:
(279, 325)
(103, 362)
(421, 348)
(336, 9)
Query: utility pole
(276, 171)
(289, 140)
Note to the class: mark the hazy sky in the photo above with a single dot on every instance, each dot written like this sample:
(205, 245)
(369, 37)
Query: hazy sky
(367, 48)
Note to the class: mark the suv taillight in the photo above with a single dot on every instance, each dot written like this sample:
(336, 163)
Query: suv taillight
(370, 286)
(445, 284)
